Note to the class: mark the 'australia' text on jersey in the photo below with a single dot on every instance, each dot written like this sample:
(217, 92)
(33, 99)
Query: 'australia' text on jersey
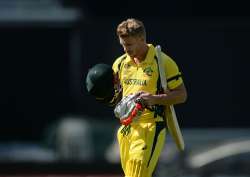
(135, 82)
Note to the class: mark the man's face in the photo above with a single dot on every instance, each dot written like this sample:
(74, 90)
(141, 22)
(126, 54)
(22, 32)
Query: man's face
(131, 45)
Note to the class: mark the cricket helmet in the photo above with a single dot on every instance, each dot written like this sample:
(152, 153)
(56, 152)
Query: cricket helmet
(99, 81)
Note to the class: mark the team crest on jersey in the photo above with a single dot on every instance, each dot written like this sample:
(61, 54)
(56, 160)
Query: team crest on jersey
(148, 71)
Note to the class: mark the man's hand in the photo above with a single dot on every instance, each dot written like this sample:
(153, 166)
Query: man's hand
(129, 109)
(148, 98)
(171, 97)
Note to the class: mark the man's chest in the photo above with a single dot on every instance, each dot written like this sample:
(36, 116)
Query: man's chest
(145, 75)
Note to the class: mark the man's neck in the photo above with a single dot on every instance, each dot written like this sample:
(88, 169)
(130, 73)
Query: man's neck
(142, 55)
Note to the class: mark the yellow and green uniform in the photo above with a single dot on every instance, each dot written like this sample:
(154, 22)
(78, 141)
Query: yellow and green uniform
(142, 141)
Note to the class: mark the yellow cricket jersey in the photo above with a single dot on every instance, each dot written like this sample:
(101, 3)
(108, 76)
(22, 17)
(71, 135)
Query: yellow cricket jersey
(143, 76)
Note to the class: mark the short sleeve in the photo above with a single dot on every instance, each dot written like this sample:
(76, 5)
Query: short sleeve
(174, 78)
(116, 64)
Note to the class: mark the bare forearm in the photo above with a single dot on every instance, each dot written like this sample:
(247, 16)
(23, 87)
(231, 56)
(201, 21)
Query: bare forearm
(170, 98)
(176, 96)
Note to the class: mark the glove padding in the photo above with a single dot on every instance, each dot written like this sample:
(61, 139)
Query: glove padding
(129, 109)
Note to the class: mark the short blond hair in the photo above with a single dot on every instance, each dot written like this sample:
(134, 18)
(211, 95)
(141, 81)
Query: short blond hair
(131, 27)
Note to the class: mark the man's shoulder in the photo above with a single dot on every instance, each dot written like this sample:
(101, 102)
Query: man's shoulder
(118, 61)
(167, 59)
(166, 56)
(120, 58)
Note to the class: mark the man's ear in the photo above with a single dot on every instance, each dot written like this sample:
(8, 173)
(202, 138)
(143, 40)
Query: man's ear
(142, 38)
(120, 40)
